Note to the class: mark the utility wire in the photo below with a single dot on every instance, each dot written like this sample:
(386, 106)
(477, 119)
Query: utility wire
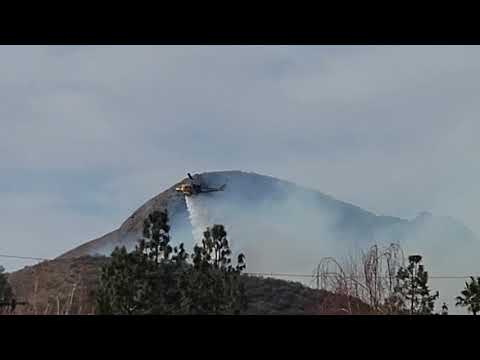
(22, 257)
(352, 277)
(275, 274)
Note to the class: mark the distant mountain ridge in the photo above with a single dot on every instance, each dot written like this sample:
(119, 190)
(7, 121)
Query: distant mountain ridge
(288, 212)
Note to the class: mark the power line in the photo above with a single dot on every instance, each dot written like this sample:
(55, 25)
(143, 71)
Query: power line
(280, 274)
(352, 277)
(23, 257)
(277, 274)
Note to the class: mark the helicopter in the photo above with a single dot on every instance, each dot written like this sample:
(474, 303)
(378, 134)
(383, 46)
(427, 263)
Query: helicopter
(193, 187)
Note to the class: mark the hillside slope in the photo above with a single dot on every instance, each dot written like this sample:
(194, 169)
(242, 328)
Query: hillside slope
(285, 228)
(68, 286)
(282, 227)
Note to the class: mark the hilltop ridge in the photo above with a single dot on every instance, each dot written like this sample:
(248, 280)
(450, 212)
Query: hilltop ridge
(317, 224)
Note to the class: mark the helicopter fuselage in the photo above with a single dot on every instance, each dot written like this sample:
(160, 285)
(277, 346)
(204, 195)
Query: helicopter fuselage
(189, 189)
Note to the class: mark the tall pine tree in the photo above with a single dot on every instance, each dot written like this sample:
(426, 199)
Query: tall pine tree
(412, 294)
(157, 278)
(216, 286)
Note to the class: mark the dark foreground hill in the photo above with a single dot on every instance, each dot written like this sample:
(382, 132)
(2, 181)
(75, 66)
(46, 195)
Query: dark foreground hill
(68, 286)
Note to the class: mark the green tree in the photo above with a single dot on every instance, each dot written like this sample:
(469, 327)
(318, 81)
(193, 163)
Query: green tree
(6, 293)
(136, 282)
(412, 294)
(213, 284)
(158, 279)
(123, 287)
(470, 296)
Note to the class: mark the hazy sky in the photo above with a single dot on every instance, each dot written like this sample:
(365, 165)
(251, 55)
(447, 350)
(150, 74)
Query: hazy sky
(89, 133)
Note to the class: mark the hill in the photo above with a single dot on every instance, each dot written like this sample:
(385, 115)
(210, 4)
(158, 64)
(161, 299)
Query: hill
(264, 215)
(68, 286)
(285, 228)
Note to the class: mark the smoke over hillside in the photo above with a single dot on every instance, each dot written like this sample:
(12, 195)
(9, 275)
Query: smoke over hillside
(284, 228)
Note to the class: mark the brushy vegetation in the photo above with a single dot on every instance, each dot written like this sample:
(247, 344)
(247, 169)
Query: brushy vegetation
(380, 278)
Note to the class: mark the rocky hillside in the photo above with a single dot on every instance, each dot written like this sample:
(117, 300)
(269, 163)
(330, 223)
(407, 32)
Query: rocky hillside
(127, 234)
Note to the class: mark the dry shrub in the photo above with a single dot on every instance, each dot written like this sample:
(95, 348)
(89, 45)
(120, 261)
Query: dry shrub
(369, 276)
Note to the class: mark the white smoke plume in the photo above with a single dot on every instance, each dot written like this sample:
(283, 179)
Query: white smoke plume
(282, 228)
(276, 230)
